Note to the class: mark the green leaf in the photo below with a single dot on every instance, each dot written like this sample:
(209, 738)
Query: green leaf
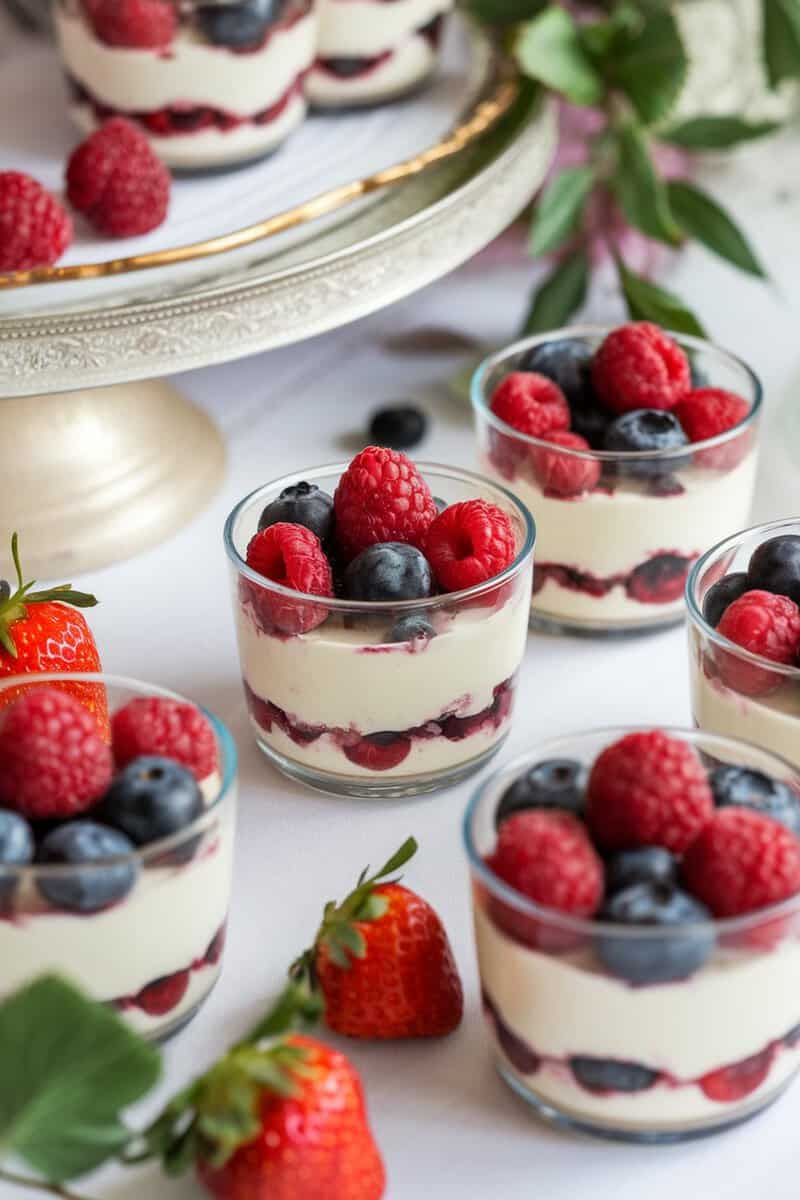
(649, 64)
(350, 938)
(69, 1065)
(715, 133)
(561, 294)
(647, 301)
(639, 190)
(372, 908)
(503, 12)
(549, 50)
(399, 859)
(781, 40)
(702, 218)
(559, 209)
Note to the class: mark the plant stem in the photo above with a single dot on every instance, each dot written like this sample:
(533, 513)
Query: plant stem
(41, 1185)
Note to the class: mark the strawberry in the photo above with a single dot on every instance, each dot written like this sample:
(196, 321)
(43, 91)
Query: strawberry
(42, 631)
(383, 962)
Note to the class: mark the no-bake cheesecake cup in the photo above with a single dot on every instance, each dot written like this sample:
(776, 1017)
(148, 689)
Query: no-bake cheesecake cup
(734, 692)
(693, 1056)
(155, 954)
(614, 558)
(351, 707)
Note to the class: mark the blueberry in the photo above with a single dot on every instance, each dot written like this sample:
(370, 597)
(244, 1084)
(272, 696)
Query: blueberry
(408, 629)
(301, 504)
(775, 566)
(400, 427)
(5, 590)
(441, 504)
(591, 422)
(554, 783)
(346, 68)
(659, 959)
(568, 363)
(743, 787)
(611, 1075)
(647, 429)
(152, 798)
(388, 571)
(86, 842)
(237, 25)
(721, 594)
(16, 849)
(645, 864)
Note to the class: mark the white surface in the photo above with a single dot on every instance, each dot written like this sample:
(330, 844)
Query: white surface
(447, 1127)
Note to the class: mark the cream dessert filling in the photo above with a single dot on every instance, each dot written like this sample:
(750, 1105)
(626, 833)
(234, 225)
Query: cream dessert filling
(772, 722)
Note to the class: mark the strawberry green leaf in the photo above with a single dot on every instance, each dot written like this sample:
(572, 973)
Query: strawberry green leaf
(640, 192)
(559, 209)
(399, 859)
(649, 63)
(647, 301)
(350, 938)
(715, 133)
(70, 1066)
(702, 218)
(781, 40)
(373, 908)
(561, 295)
(549, 50)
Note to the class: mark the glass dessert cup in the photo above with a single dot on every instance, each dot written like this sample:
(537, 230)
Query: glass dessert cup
(368, 52)
(346, 710)
(694, 1056)
(155, 954)
(735, 692)
(214, 96)
(614, 559)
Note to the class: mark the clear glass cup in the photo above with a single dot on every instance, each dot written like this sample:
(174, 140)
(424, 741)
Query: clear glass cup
(156, 953)
(350, 706)
(688, 1057)
(226, 90)
(614, 558)
(734, 692)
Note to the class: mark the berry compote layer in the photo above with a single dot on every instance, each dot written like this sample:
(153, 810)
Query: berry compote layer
(628, 888)
(117, 878)
(394, 671)
(630, 460)
(210, 86)
(370, 51)
(744, 632)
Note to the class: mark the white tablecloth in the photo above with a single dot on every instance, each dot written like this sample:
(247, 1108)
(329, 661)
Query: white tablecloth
(446, 1125)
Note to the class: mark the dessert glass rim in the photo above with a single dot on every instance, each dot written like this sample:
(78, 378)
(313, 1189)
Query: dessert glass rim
(585, 926)
(696, 613)
(141, 855)
(338, 603)
(481, 406)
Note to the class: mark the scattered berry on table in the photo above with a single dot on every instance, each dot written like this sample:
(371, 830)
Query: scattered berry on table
(640, 366)
(659, 959)
(648, 789)
(152, 798)
(388, 571)
(611, 1075)
(568, 363)
(411, 628)
(302, 504)
(564, 474)
(291, 556)
(532, 404)
(401, 427)
(469, 543)
(381, 497)
(745, 787)
(764, 624)
(35, 229)
(156, 725)
(137, 24)
(643, 864)
(117, 180)
(650, 429)
(775, 566)
(16, 849)
(722, 593)
(240, 26)
(547, 855)
(86, 843)
(558, 783)
(742, 861)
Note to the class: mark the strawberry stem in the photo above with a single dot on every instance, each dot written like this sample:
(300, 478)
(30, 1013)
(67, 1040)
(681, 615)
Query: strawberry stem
(40, 1185)
(15, 606)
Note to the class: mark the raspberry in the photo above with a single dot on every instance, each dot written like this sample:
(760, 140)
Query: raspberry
(292, 556)
(531, 403)
(117, 180)
(381, 498)
(738, 1080)
(547, 856)
(34, 228)
(742, 861)
(167, 729)
(162, 995)
(561, 474)
(764, 624)
(379, 751)
(639, 366)
(139, 24)
(705, 413)
(54, 761)
(469, 543)
(648, 789)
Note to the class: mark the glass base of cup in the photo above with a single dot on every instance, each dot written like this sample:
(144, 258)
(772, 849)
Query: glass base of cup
(394, 787)
(643, 1137)
(564, 626)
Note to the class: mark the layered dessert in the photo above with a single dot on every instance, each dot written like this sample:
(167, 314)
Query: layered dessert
(626, 893)
(744, 633)
(380, 628)
(369, 52)
(115, 853)
(633, 451)
(211, 84)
